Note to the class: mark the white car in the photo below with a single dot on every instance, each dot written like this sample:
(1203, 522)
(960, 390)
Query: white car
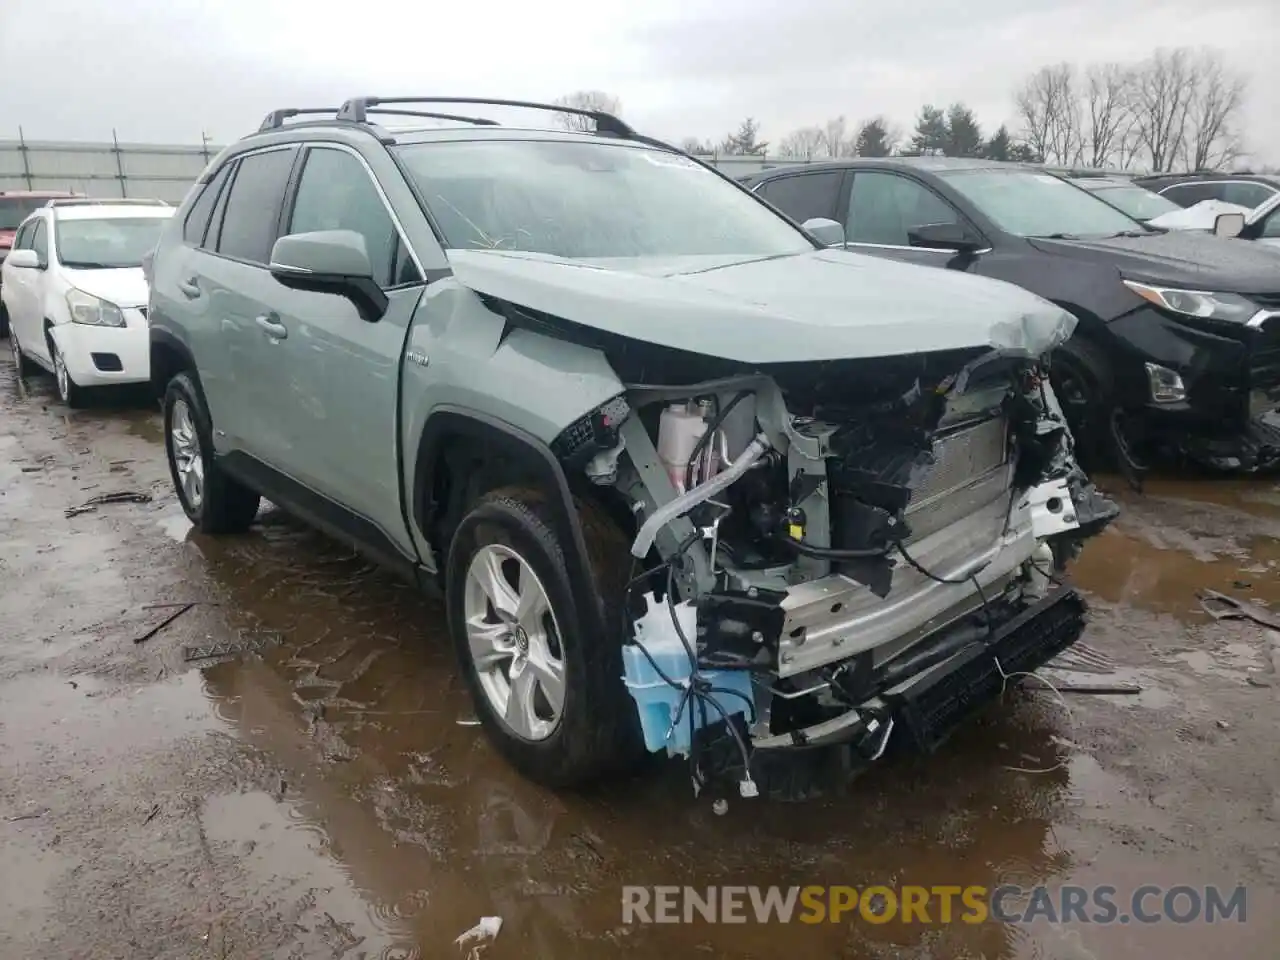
(74, 293)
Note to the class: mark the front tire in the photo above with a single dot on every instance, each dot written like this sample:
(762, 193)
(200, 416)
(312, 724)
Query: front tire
(213, 501)
(71, 393)
(549, 696)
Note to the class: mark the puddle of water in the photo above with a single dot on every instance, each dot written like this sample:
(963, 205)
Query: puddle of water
(1124, 567)
(286, 860)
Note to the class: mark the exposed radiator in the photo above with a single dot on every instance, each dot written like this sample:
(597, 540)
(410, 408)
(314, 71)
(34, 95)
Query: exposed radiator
(970, 470)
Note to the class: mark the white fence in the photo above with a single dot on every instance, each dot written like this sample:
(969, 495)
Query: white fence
(164, 172)
(103, 169)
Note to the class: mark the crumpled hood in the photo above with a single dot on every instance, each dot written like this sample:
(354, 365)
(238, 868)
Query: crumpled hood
(824, 305)
(124, 286)
(1183, 258)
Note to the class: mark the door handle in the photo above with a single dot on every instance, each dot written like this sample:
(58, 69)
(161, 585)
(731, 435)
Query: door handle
(271, 324)
(190, 288)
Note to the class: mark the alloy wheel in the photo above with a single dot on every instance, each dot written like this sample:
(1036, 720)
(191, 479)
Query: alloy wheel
(60, 373)
(184, 446)
(514, 642)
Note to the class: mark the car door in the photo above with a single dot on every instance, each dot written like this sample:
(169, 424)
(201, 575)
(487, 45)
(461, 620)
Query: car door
(335, 391)
(803, 196)
(883, 207)
(31, 326)
(230, 293)
(17, 285)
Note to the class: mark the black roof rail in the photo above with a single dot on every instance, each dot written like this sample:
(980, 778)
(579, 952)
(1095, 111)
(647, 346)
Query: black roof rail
(276, 118)
(388, 111)
(356, 110)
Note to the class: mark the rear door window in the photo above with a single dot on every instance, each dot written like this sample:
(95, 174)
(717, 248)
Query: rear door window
(1189, 194)
(806, 195)
(252, 215)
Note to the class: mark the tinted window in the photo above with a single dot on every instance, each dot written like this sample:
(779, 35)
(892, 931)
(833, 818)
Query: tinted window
(13, 210)
(1029, 204)
(336, 193)
(883, 207)
(40, 241)
(589, 199)
(1271, 225)
(253, 206)
(197, 223)
(1246, 194)
(1189, 194)
(805, 196)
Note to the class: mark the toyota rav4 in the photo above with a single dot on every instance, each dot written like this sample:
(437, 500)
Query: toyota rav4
(690, 482)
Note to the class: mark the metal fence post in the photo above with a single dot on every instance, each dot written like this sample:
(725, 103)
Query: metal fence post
(115, 147)
(26, 161)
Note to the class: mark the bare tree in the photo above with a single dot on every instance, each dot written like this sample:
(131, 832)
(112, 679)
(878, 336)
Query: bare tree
(586, 100)
(1212, 141)
(1108, 109)
(696, 147)
(1163, 91)
(1049, 110)
(835, 137)
(805, 143)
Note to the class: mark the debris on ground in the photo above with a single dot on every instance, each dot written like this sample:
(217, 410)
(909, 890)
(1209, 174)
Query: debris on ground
(245, 643)
(152, 814)
(152, 631)
(479, 936)
(1100, 688)
(124, 496)
(1222, 607)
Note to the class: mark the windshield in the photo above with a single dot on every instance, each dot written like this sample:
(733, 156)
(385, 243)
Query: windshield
(13, 210)
(586, 200)
(1029, 204)
(1136, 202)
(108, 243)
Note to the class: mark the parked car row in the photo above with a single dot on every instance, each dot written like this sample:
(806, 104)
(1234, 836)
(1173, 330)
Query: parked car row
(73, 297)
(521, 366)
(1177, 343)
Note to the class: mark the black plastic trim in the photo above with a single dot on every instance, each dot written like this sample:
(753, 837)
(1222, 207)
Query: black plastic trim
(320, 512)
(498, 436)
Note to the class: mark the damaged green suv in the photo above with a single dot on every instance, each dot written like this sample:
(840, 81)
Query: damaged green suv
(691, 482)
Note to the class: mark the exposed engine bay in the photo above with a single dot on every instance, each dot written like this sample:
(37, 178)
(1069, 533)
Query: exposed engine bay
(835, 550)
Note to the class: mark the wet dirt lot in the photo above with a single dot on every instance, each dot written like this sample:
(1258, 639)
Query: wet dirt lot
(325, 795)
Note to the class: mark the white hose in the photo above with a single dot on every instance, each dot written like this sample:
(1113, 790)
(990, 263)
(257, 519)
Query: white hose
(687, 501)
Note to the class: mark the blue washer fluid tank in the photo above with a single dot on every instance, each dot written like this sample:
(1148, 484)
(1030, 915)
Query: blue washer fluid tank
(656, 700)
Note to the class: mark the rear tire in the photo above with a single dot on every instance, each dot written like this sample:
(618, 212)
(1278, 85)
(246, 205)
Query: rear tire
(22, 365)
(211, 499)
(549, 696)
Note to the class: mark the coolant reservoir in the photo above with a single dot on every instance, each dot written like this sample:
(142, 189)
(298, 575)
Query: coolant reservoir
(679, 429)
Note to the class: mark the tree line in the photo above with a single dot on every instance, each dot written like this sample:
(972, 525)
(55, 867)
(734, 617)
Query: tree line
(1177, 109)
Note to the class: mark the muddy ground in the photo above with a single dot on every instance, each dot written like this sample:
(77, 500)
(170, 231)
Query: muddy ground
(326, 796)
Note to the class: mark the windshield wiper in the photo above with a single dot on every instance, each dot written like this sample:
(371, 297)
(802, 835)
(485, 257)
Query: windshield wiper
(1059, 236)
(89, 265)
(1130, 233)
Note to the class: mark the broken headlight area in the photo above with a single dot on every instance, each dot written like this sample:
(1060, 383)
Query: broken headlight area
(842, 552)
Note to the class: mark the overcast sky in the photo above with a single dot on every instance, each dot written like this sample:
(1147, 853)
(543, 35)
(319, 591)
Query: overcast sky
(166, 70)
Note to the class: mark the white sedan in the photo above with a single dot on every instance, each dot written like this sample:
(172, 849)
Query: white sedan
(74, 293)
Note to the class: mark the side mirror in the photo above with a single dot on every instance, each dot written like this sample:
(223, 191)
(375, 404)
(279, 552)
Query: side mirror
(943, 236)
(825, 231)
(329, 261)
(25, 259)
(1228, 225)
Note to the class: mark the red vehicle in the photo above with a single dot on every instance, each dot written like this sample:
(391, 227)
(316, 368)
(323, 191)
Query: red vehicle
(16, 206)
